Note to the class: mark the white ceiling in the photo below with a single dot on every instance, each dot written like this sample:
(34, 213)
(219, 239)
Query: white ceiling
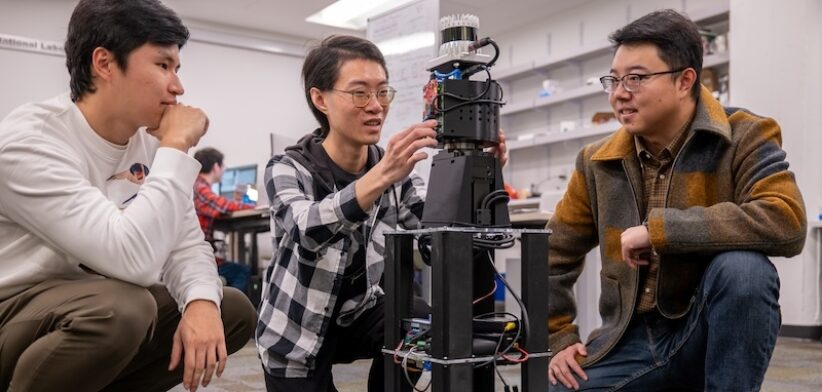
(287, 17)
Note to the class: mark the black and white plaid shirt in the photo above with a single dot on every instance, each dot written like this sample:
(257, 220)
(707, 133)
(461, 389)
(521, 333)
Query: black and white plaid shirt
(313, 242)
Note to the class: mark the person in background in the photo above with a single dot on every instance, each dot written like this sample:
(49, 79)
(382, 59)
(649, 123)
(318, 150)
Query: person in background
(332, 196)
(210, 205)
(105, 280)
(687, 200)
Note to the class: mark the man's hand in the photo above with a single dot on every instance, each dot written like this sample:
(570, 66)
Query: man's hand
(401, 154)
(201, 339)
(181, 127)
(402, 151)
(636, 246)
(501, 149)
(562, 364)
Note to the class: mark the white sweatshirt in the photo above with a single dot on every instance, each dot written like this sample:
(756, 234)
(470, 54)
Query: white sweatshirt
(69, 197)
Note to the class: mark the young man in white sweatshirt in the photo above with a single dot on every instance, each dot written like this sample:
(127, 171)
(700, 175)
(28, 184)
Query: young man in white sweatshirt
(105, 279)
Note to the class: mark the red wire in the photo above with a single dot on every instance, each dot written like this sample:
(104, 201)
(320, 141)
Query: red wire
(521, 359)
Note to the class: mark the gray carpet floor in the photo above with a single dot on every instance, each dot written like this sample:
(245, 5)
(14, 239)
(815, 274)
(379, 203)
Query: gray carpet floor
(796, 366)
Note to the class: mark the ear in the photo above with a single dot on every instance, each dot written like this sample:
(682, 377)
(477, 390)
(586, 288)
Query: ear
(102, 64)
(318, 99)
(686, 81)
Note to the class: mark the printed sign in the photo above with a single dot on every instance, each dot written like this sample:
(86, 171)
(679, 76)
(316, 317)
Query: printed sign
(31, 45)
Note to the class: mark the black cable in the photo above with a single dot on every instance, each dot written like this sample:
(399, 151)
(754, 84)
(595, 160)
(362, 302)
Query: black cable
(499, 374)
(481, 241)
(498, 354)
(495, 193)
(516, 297)
(494, 241)
(485, 42)
(475, 99)
(424, 246)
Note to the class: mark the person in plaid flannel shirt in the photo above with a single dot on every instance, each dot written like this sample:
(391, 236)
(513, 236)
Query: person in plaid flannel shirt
(210, 206)
(332, 196)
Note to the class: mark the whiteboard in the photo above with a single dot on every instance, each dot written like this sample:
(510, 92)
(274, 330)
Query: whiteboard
(406, 71)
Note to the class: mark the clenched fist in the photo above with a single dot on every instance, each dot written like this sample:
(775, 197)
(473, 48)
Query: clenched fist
(181, 127)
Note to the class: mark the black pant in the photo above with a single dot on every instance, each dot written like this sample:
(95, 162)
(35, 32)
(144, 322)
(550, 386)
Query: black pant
(363, 339)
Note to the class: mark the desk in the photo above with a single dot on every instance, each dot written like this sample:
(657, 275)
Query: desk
(530, 220)
(246, 222)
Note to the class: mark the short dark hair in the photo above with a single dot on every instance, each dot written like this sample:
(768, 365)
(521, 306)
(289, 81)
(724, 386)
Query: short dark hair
(676, 37)
(321, 68)
(119, 26)
(208, 157)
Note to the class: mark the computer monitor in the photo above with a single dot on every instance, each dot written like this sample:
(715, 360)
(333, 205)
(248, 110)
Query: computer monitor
(233, 176)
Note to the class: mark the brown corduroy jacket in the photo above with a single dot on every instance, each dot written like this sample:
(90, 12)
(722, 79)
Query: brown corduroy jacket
(730, 190)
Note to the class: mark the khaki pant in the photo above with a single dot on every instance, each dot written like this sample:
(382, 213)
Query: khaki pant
(91, 335)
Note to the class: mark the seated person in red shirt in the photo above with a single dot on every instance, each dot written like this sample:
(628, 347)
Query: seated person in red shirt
(210, 205)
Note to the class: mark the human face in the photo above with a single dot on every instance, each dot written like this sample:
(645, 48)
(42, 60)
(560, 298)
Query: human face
(148, 85)
(359, 126)
(654, 107)
(219, 169)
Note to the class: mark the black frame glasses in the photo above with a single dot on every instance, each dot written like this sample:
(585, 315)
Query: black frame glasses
(632, 81)
(361, 98)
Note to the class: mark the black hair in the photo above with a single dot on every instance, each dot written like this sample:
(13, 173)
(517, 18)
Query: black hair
(119, 26)
(675, 36)
(321, 68)
(208, 157)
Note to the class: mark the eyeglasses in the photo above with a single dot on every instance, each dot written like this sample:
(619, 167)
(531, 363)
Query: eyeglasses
(630, 82)
(361, 98)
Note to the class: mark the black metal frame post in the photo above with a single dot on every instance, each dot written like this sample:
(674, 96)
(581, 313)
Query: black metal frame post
(452, 289)
(456, 268)
(399, 272)
(535, 298)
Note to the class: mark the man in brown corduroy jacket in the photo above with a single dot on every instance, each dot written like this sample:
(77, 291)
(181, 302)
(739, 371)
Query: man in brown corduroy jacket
(686, 201)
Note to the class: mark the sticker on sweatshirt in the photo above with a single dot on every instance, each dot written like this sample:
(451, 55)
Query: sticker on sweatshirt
(123, 186)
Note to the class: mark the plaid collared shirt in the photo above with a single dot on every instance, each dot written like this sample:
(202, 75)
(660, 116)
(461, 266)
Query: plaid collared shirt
(210, 205)
(314, 238)
(656, 173)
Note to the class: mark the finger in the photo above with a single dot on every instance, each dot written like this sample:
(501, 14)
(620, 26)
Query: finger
(420, 156)
(176, 350)
(211, 364)
(199, 368)
(562, 376)
(222, 357)
(400, 141)
(429, 123)
(418, 144)
(566, 372)
(551, 377)
(578, 370)
(625, 253)
(189, 365)
(426, 126)
(638, 258)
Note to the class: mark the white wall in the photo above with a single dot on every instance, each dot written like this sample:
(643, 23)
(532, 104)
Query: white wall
(247, 95)
(776, 71)
(27, 76)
